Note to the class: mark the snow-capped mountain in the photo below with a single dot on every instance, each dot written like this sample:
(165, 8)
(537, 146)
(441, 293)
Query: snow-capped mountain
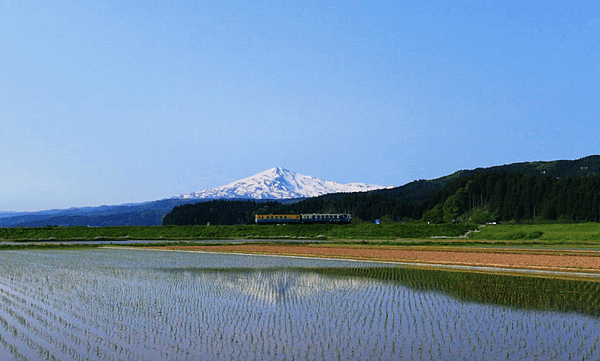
(279, 183)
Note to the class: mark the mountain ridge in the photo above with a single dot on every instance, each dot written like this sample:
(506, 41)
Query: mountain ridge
(421, 190)
(279, 183)
(275, 183)
(151, 213)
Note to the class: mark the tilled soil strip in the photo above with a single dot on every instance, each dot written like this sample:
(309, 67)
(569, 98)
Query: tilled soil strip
(561, 261)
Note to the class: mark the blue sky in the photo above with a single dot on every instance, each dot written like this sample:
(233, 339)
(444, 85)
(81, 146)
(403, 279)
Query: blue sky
(111, 102)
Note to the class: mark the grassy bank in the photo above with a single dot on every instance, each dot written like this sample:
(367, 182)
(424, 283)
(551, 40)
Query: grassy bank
(585, 234)
(577, 233)
(365, 231)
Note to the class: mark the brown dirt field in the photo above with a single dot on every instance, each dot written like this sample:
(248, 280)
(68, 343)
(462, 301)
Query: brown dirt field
(552, 260)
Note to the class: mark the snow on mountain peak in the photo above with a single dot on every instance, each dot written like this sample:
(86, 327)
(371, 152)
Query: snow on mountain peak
(278, 183)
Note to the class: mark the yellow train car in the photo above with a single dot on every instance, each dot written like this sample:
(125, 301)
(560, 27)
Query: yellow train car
(277, 218)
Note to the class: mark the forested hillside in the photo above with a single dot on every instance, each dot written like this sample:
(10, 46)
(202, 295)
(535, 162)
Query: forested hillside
(221, 212)
(225, 212)
(514, 196)
(476, 196)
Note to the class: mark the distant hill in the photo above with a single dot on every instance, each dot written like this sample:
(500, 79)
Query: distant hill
(275, 183)
(530, 189)
(422, 190)
(284, 186)
(142, 214)
(558, 168)
(506, 196)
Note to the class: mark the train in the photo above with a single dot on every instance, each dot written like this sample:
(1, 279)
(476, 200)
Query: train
(305, 218)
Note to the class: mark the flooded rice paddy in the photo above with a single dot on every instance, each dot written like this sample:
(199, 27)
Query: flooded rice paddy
(116, 304)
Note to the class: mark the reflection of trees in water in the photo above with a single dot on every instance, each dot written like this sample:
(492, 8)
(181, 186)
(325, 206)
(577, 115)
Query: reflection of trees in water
(545, 294)
(514, 291)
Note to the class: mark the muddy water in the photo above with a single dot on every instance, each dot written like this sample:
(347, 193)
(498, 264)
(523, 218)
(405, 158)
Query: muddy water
(109, 304)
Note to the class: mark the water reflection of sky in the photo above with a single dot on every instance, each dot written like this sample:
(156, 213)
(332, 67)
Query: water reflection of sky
(144, 305)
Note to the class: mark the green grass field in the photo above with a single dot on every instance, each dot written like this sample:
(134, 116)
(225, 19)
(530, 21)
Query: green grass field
(582, 234)
(576, 233)
(364, 231)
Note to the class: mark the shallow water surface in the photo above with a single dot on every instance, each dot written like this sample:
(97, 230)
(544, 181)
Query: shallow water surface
(109, 304)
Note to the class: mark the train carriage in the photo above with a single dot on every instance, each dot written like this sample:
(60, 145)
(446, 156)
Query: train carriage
(306, 218)
(337, 218)
(277, 218)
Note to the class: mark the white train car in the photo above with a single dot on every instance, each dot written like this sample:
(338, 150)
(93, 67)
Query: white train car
(336, 218)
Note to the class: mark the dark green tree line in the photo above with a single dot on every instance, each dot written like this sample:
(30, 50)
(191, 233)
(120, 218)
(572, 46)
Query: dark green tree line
(364, 206)
(514, 196)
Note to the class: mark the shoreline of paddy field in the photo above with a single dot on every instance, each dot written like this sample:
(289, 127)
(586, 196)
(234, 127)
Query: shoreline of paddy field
(578, 264)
